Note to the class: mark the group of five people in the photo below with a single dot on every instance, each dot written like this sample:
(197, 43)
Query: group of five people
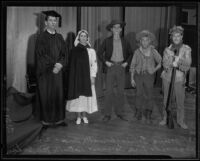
(116, 55)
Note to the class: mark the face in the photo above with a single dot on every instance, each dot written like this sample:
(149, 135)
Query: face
(145, 42)
(177, 38)
(83, 38)
(51, 22)
(116, 29)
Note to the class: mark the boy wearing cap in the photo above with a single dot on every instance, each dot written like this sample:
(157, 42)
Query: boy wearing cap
(145, 62)
(117, 57)
(177, 55)
(50, 52)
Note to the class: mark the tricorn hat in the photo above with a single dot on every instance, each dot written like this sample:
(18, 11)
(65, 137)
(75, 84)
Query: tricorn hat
(114, 22)
(53, 14)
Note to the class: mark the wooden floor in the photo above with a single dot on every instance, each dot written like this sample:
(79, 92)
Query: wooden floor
(119, 137)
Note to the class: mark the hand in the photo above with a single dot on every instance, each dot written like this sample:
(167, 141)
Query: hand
(55, 70)
(177, 58)
(92, 80)
(109, 64)
(58, 66)
(124, 64)
(153, 71)
(175, 64)
(133, 83)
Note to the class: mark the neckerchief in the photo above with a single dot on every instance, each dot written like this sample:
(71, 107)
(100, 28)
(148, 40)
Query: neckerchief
(176, 48)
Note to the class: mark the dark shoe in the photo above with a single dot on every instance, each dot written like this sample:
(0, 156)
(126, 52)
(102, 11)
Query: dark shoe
(122, 118)
(63, 124)
(45, 127)
(149, 114)
(57, 125)
(135, 115)
(106, 118)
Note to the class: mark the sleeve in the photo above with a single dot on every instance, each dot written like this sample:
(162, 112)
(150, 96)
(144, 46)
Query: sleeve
(129, 53)
(44, 63)
(157, 57)
(93, 63)
(62, 60)
(133, 62)
(167, 60)
(101, 50)
(184, 63)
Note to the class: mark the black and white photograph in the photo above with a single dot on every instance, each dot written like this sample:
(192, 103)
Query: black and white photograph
(100, 80)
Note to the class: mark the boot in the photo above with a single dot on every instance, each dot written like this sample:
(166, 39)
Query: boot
(180, 119)
(183, 125)
(135, 114)
(144, 116)
(164, 120)
(149, 112)
(138, 114)
(143, 119)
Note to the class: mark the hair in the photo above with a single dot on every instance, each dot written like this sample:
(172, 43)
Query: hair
(47, 16)
(146, 36)
(116, 24)
(151, 42)
(175, 33)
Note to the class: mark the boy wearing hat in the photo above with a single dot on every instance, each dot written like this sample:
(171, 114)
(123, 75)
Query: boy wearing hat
(146, 61)
(117, 57)
(177, 55)
(50, 52)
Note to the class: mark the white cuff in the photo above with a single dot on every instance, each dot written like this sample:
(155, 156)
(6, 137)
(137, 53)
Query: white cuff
(93, 74)
(58, 65)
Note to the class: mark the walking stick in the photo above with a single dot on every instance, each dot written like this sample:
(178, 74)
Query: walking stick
(170, 119)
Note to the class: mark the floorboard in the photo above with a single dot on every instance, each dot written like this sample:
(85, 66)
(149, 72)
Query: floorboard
(119, 137)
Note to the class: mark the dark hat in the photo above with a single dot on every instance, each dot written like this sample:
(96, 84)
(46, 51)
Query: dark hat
(114, 22)
(53, 14)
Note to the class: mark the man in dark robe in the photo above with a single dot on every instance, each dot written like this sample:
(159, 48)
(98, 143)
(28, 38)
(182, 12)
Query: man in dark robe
(50, 55)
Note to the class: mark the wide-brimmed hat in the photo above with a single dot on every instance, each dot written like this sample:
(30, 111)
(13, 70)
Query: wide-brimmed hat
(176, 29)
(146, 33)
(114, 22)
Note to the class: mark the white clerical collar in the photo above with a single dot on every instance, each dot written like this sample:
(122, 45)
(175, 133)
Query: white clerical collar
(51, 31)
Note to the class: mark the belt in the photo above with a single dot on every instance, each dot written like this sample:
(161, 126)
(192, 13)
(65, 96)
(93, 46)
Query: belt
(117, 63)
(144, 72)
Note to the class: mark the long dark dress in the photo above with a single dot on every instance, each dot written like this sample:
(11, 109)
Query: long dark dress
(50, 49)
